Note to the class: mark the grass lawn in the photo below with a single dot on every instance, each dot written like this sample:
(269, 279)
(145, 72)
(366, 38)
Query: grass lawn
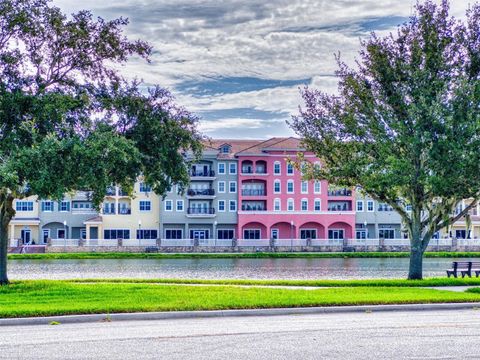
(95, 255)
(40, 298)
(324, 283)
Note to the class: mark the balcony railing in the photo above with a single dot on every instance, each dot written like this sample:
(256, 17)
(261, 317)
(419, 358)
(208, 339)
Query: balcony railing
(248, 170)
(201, 211)
(202, 173)
(254, 192)
(340, 192)
(110, 192)
(344, 207)
(253, 208)
(199, 192)
(124, 211)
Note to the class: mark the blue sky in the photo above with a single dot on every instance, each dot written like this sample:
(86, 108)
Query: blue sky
(239, 64)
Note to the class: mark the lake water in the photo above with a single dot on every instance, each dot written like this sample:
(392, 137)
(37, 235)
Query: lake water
(223, 268)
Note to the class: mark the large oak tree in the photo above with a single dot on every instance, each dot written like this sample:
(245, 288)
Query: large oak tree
(405, 123)
(69, 121)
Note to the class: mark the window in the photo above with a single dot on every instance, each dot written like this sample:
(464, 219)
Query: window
(317, 188)
(360, 234)
(116, 234)
(277, 170)
(146, 234)
(109, 208)
(168, 205)
(221, 169)
(233, 205)
(384, 207)
(408, 207)
(317, 205)
(232, 168)
(290, 206)
(225, 149)
(308, 234)
(47, 205)
(232, 187)
(359, 205)
(304, 187)
(179, 205)
(173, 234)
(221, 205)
(221, 186)
(304, 205)
(145, 188)
(276, 205)
(251, 234)
(83, 234)
(289, 169)
(65, 206)
(370, 206)
(60, 233)
(336, 234)
(386, 233)
(145, 205)
(290, 188)
(225, 234)
(276, 187)
(461, 234)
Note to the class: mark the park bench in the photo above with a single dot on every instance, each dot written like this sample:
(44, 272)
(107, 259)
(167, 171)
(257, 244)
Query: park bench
(151, 249)
(464, 268)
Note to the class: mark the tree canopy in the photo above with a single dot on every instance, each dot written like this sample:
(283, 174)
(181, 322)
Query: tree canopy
(405, 123)
(70, 121)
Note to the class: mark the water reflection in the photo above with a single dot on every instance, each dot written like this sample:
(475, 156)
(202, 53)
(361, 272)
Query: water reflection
(222, 268)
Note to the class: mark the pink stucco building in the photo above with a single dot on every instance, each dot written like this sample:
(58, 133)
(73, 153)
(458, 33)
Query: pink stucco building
(274, 201)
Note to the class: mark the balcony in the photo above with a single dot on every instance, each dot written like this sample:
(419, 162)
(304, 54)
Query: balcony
(111, 192)
(339, 192)
(339, 207)
(201, 212)
(124, 211)
(254, 192)
(201, 193)
(253, 208)
(202, 174)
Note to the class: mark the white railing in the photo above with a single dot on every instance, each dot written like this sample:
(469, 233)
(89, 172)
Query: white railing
(139, 242)
(327, 242)
(177, 242)
(64, 242)
(101, 242)
(253, 242)
(440, 242)
(468, 242)
(290, 242)
(397, 242)
(14, 242)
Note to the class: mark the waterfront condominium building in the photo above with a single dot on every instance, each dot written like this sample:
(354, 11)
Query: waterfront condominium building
(125, 217)
(209, 207)
(376, 220)
(276, 203)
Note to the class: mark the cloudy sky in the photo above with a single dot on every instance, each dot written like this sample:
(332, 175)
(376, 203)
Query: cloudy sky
(238, 64)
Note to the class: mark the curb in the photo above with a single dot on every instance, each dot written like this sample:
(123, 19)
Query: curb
(165, 315)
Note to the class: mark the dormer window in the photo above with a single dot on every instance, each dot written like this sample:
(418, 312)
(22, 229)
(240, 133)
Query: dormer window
(225, 149)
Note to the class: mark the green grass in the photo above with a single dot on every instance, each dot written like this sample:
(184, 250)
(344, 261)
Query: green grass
(95, 255)
(320, 283)
(42, 298)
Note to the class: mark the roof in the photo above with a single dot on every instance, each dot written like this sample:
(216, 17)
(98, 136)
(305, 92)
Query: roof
(244, 147)
(94, 220)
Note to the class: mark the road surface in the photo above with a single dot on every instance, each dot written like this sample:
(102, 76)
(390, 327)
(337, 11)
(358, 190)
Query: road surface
(382, 335)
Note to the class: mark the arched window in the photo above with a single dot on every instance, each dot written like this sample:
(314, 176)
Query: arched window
(277, 205)
(290, 205)
(277, 189)
(277, 170)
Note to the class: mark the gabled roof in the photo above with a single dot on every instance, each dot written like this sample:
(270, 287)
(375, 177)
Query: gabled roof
(236, 146)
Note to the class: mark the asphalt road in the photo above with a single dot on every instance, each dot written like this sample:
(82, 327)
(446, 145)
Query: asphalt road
(382, 335)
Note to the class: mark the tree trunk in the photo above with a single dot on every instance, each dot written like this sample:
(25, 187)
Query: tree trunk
(3, 252)
(6, 214)
(415, 271)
